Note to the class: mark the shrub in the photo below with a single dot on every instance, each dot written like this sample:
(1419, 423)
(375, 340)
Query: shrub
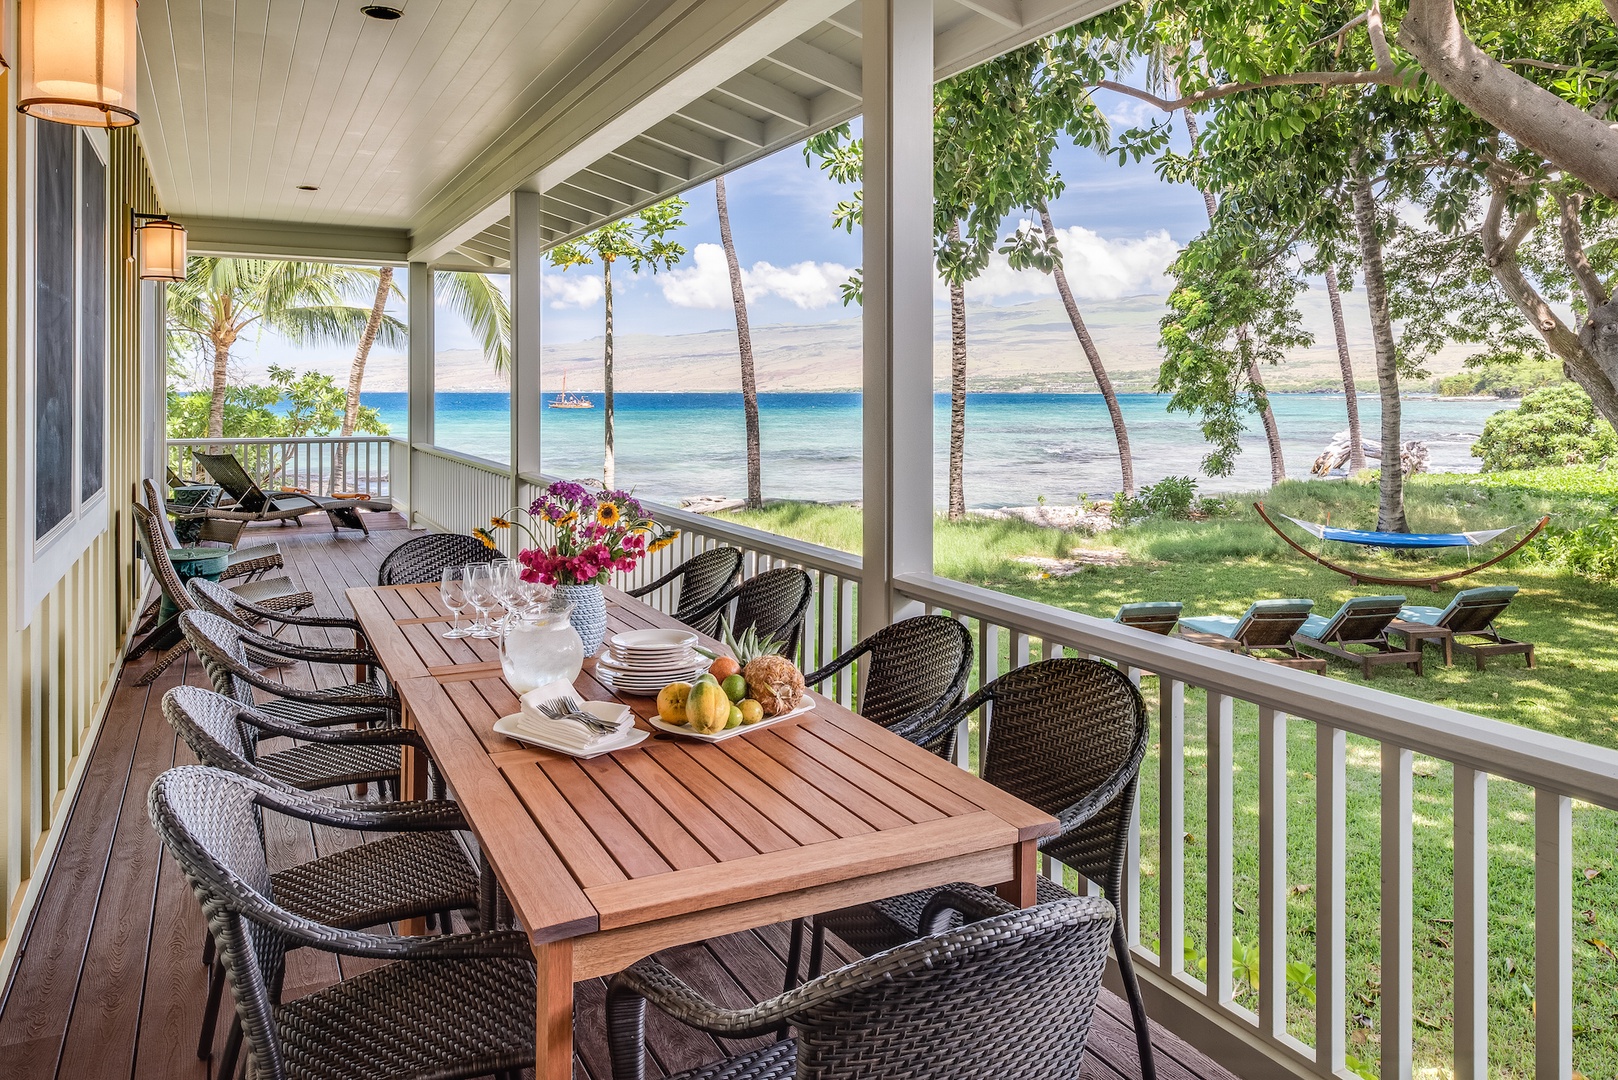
(1591, 550)
(1554, 426)
(1506, 379)
(1170, 499)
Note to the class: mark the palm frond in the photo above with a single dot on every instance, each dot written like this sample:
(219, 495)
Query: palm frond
(484, 307)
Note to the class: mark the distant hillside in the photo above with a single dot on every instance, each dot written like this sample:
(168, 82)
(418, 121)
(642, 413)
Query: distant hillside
(1021, 347)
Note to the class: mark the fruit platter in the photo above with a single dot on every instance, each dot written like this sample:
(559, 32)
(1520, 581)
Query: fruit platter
(753, 687)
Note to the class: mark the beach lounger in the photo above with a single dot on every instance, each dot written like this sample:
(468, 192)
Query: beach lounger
(1364, 621)
(252, 503)
(1470, 613)
(1157, 616)
(1266, 625)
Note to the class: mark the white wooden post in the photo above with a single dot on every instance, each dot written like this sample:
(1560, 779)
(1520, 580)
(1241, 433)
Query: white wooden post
(897, 54)
(1553, 935)
(526, 245)
(421, 359)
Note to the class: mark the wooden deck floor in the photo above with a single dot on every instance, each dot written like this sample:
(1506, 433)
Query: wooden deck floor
(108, 983)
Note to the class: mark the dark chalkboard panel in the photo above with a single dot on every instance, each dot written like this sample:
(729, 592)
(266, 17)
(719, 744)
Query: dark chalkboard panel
(92, 319)
(53, 325)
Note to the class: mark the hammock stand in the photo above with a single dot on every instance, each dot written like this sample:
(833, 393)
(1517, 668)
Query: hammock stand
(1432, 582)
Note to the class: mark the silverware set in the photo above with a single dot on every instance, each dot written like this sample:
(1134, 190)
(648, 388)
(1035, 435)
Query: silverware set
(567, 707)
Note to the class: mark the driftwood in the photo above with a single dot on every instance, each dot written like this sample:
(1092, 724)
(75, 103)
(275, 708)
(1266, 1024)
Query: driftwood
(1413, 456)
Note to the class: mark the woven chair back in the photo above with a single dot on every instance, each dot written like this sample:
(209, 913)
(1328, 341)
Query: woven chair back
(702, 578)
(773, 603)
(216, 599)
(209, 724)
(219, 645)
(1010, 995)
(1270, 624)
(160, 510)
(912, 666)
(226, 471)
(149, 535)
(1058, 731)
(421, 561)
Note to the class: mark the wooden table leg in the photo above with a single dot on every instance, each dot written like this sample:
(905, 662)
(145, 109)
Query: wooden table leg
(412, 785)
(553, 1028)
(1022, 889)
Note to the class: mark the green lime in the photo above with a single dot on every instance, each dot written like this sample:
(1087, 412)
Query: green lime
(707, 676)
(735, 717)
(735, 688)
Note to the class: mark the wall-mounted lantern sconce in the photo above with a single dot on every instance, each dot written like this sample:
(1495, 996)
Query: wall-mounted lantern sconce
(162, 247)
(76, 62)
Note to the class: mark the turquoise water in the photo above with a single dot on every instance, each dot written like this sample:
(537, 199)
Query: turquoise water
(1019, 447)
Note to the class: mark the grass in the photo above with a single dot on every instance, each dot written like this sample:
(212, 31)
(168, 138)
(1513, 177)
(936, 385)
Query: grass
(1218, 566)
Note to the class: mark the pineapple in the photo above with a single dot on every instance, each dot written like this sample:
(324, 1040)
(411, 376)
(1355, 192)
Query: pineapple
(772, 680)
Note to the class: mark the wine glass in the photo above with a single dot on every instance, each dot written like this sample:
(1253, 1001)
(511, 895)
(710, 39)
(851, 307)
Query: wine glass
(478, 584)
(451, 589)
(505, 583)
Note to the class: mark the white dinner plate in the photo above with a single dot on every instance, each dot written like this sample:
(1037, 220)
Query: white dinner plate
(634, 736)
(646, 687)
(661, 667)
(806, 705)
(651, 640)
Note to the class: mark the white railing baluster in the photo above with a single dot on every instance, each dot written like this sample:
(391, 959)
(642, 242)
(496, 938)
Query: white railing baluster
(1171, 825)
(1221, 834)
(1553, 935)
(1398, 917)
(1272, 870)
(1331, 861)
(1471, 924)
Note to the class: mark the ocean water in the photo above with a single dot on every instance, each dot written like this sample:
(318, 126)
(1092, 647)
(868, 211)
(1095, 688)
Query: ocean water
(1019, 446)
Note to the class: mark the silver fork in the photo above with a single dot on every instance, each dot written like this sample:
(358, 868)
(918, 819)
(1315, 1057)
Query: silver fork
(568, 708)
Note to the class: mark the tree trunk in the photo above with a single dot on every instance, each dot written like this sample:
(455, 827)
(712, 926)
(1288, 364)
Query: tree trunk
(1390, 514)
(744, 343)
(1572, 139)
(221, 380)
(356, 373)
(957, 392)
(1356, 446)
(609, 469)
(1103, 383)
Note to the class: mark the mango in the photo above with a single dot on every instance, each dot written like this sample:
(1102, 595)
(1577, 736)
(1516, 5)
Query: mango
(707, 708)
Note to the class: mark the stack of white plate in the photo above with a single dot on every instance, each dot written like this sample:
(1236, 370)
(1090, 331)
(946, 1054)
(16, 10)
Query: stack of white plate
(645, 661)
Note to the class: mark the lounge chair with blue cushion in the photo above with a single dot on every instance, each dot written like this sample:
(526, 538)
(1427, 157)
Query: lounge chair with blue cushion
(1158, 616)
(1470, 613)
(1362, 620)
(1266, 624)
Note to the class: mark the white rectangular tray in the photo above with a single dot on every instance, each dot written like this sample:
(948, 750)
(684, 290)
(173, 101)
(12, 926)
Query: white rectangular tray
(807, 705)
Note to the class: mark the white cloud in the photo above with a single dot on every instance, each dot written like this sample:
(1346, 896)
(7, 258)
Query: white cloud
(571, 290)
(1097, 268)
(704, 281)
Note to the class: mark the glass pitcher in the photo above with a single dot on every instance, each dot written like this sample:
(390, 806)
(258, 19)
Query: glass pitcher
(540, 647)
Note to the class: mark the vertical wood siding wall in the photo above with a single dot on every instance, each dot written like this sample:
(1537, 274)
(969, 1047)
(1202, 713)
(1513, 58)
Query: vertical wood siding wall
(61, 658)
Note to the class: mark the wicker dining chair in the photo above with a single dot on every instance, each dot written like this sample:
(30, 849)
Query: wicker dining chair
(421, 561)
(214, 598)
(1067, 735)
(772, 603)
(1008, 993)
(250, 561)
(421, 870)
(222, 647)
(450, 1006)
(702, 578)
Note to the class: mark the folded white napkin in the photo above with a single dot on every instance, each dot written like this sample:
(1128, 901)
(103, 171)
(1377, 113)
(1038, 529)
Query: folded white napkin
(567, 734)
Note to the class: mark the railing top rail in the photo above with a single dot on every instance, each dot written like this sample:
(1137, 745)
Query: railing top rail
(1574, 768)
(460, 457)
(233, 440)
(785, 547)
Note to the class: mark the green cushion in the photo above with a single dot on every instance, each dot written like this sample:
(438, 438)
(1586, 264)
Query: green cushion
(1151, 609)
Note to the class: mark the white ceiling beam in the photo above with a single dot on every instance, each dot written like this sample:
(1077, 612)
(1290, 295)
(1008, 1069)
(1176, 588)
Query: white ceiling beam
(1008, 13)
(724, 121)
(821, 66)
(236, 238)
(848, 20)
(607, 188)
(768, 97)
(683, 140)
(592, 205)
(626, 175)
(638, 151)
(973, 41)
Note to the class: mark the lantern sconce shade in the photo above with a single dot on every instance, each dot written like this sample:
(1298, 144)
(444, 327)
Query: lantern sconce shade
(162, 247)
(76, 62)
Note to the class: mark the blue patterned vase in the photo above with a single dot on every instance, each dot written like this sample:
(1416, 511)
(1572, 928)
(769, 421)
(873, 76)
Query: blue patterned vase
(589, 614)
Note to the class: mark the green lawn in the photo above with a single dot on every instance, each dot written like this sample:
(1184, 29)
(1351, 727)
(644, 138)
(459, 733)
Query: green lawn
(1218, 566)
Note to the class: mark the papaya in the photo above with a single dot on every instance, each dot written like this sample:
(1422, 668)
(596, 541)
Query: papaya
(707, 708)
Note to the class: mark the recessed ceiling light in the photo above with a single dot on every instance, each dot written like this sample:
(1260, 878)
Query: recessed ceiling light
(381, 11)
(308, 187)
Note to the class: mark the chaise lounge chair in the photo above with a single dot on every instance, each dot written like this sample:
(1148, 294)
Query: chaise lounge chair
(1471, 613)
(252, 503)
(1362, 620)
(1266, 624)
(1157, 616)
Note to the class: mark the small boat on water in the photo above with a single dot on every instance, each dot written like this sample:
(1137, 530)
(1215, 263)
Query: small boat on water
(565, 400)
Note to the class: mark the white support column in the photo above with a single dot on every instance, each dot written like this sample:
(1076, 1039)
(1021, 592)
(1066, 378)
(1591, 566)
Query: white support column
(897, 54)
(422, 354)
(526, 244)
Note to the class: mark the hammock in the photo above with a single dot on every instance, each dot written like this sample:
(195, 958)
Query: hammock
(1408, 541)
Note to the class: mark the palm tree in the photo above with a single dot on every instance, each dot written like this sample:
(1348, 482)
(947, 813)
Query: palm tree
(642, 242)
(744, 342)
(1356, 444)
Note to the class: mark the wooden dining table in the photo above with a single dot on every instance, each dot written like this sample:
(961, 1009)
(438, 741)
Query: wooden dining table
(608, 860)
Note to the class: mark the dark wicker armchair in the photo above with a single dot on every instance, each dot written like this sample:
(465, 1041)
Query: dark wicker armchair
(452, 1005)
(702, 578)
(422, 561)
(773, 603)
(420, 871)
(1008, 994)
(1068, 736)
(222, 646)
(250, 562)
(913, 671)
(214, 598)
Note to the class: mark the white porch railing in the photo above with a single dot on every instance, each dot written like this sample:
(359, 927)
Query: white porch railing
(1356, 732)
(320, 464)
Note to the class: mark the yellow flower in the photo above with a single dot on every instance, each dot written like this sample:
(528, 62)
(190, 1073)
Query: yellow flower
(660, 543)
(568, 518)
(499, 523)
(607, 514)
(483, 535)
